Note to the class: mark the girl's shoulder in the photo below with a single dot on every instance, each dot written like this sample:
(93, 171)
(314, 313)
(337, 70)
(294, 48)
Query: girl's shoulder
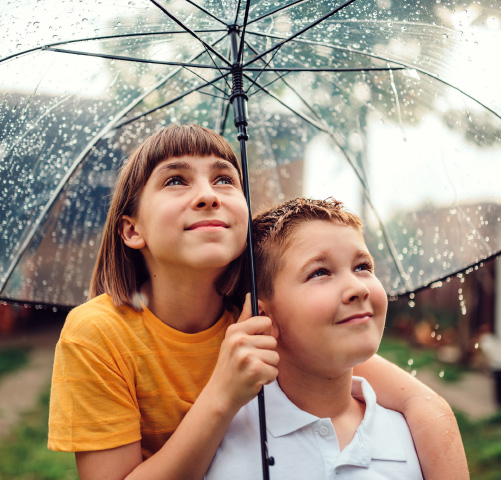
(99, 316)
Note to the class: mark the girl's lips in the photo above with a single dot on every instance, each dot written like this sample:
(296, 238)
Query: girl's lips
(207, 224)
(356, 319)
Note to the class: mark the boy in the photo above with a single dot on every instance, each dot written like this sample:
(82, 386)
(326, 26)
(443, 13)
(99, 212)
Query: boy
(316, 282)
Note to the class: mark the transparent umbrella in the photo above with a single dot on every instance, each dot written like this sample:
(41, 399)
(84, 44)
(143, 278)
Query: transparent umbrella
(392, 107)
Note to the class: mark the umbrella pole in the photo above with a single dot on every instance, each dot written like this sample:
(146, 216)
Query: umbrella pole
(239, 101)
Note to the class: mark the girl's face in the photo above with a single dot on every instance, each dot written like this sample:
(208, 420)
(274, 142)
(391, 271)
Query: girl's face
(192, 213)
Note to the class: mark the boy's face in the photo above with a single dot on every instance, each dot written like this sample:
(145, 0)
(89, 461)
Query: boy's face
(329, 307)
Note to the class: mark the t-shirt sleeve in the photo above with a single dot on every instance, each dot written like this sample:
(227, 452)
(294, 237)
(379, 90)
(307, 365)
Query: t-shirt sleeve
(93, 404)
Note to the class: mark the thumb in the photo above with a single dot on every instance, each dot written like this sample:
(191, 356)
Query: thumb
(246, 309)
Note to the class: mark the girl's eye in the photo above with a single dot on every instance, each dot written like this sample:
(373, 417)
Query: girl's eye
(174, 181)
(319, 273)
(225, 180)
(365, 266)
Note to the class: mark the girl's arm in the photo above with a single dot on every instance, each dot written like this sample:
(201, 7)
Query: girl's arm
(430, 418)
(246, 362)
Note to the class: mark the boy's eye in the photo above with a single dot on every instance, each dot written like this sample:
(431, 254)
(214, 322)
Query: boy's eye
(368, 266)
(320, 272)
(174, 181)
(225, 180)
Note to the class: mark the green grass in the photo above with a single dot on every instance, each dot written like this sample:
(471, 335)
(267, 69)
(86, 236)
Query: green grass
(24, 455)
(12, 359)
(482, 443)
(413, 358)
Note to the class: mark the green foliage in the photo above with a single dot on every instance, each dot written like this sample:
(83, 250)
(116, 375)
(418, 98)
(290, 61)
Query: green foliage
(482, 443)
(12, 359)
(413, 358)
(24, 455)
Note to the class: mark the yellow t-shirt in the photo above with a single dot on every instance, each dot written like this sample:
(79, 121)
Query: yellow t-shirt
(121, 376)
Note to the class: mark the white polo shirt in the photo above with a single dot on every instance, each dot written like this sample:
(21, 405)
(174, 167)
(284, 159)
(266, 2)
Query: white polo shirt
(306, 447)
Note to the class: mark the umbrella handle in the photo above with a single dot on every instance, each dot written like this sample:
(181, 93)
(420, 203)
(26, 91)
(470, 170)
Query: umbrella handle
(238, 99)
(265, 458)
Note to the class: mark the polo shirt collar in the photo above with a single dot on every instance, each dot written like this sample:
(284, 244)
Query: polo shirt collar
(282, 416)
(376, 435)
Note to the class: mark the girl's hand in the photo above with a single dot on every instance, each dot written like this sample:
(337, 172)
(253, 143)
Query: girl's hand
(246, 362)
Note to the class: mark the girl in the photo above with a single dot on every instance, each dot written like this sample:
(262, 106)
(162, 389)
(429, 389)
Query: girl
(149, 372)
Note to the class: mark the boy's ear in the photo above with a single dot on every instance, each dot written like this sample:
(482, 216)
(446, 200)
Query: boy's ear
(129, 234)
(264, 310)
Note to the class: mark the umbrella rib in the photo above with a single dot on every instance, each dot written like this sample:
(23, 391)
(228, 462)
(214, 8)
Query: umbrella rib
(299, 114)
(300, 32)
(103, 37)
(472, 266)
(207, 47)
(191, 32)
(170, 102)
(225, 118)
(112, 124)
(333, 69)
(209, 14)
(283, 7)
(263, 69)
(237, 11)
(134, 59)
(332, 47)
(281, 77)
(244, 28)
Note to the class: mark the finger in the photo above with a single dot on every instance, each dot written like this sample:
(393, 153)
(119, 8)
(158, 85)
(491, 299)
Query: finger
(246, 309)
(262, 342)
(251, 326)
(269, 357)
(270, 374)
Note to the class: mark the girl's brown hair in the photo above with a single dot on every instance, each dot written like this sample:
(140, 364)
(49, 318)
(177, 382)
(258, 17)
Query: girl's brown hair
(272, 232)
(120, 270)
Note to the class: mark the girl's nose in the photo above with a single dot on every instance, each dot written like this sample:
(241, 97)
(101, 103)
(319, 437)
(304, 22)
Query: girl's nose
(206, 199)
(355, 289)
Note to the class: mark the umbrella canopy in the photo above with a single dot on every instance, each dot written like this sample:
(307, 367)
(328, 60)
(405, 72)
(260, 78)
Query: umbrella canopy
(392, 107)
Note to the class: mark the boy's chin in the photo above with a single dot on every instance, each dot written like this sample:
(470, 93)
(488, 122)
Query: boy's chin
(362, 357)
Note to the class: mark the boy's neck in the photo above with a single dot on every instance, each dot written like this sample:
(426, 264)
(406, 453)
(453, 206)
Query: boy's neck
(325, 398)
(188, 303)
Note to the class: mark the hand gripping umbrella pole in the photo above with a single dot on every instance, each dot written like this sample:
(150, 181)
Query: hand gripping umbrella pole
(239, 101)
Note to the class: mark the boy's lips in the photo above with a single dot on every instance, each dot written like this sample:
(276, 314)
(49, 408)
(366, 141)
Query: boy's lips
(207, 224)
(356, 319)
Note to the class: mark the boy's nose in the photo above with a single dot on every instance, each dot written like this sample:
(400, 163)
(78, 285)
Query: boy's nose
(355, 289)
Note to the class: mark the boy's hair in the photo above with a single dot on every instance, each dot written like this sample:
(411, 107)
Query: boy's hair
(272, 233)
(120, 270)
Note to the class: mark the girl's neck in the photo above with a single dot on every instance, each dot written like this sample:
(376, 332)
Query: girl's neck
(185, 301)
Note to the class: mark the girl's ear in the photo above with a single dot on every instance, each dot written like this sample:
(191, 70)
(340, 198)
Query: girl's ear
(129, 234)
